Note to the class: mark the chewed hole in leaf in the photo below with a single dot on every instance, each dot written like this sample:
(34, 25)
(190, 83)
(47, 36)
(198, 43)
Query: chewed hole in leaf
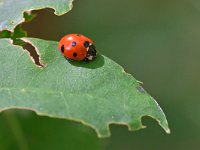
(50, 10)
(30, 48)
(39, 23)
(33, 53)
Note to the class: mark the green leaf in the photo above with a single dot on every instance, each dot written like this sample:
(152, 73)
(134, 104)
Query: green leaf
(18, 33)
(12, 10)
(5, 34)
(24, 130)
(96, 93)
(28, 16)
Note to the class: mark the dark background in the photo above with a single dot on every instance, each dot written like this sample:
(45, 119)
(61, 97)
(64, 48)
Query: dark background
(157, 41)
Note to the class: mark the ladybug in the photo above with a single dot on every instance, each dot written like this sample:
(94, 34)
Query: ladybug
(77, 47)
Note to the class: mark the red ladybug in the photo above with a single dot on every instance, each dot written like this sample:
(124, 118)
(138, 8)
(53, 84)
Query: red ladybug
(77, 47)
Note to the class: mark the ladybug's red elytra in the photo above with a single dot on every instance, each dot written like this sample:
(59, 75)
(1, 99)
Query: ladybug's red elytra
(77, 47)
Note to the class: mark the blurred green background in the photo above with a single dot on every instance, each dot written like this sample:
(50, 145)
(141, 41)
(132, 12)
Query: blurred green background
(157, 41)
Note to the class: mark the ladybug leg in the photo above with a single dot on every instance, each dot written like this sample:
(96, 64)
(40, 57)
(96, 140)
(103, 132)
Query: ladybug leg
(86, 59)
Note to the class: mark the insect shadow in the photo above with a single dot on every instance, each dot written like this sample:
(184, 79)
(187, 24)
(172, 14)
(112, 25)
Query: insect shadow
(93, 64)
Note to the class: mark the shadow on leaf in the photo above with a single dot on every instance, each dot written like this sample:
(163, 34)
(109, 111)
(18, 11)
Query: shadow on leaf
(96, 63)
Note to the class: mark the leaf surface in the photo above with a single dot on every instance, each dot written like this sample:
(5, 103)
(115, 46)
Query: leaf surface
(96, 93)
(12, 10)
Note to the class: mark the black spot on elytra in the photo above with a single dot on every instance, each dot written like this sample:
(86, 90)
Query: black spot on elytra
(73, 43)
(78, 34)
(86, 44)
(62, 48)
(74, 54)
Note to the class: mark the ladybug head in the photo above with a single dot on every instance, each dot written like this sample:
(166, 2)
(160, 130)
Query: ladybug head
(91, 53)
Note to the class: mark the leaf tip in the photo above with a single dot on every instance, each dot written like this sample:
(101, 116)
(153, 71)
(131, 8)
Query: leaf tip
(165, 126)
(168, 131)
